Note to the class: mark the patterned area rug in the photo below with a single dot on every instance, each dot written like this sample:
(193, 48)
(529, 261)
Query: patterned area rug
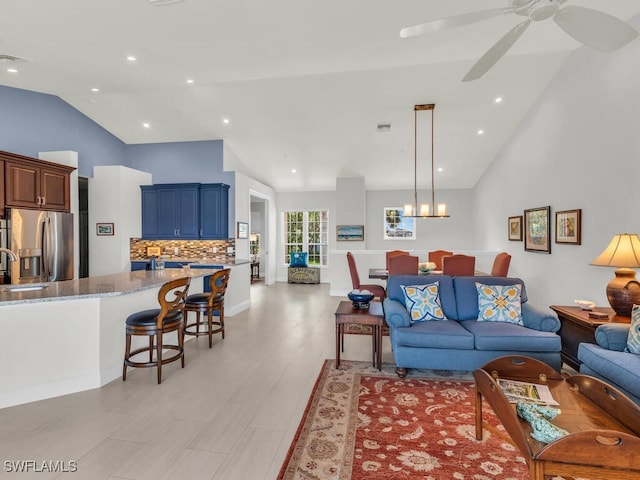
(362, 424)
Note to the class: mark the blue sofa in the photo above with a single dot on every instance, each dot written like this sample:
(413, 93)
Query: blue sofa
(607, 360)
(463, 343)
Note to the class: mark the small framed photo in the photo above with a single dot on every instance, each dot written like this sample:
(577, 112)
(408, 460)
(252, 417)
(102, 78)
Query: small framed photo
(243, 230)
(537, 231)
(515, 228)
(155, 250)
(104, 229)
(568, 226)
(350, 233)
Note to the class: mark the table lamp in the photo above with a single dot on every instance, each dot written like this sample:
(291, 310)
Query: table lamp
(623, 290)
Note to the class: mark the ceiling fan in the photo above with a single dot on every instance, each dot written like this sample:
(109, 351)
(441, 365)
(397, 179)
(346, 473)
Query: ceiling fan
(590, 27)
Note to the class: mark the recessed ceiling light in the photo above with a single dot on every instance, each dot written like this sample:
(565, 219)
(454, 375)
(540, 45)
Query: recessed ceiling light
(440, 169)
(94, 89)
(498, 100)
(481, 132)
(12, 70)
(146, 125)
(190, 80)
(131, 58)
(293, 170)
(225, 120)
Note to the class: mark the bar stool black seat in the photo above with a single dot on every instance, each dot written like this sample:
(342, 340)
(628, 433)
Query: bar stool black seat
(154, 323)
(209, 304)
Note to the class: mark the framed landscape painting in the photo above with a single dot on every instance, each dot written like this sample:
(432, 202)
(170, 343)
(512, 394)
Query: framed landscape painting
(515, 228)
(397, 226)
(350, 233)
(568, 226)
(537, 233)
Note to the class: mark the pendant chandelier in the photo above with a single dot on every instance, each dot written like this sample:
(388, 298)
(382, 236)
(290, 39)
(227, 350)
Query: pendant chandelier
(425, 210)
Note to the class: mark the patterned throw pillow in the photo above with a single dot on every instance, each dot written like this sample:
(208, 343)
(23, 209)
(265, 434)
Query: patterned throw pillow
(633, 340)
(499, 303)
(298, 259)
(423, 302)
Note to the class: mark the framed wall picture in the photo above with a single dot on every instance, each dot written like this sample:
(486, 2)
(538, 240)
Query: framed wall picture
(104, 229)
(515, 228)
(537, 232)
(350, 233)
(568, 226)
(243, 230)
(397, 226)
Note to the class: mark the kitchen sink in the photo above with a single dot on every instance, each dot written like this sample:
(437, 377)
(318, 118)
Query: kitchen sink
(23, 287)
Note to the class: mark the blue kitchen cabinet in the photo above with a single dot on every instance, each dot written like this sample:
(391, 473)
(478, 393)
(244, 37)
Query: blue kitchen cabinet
(214, 211)
(139, 265)
(171, 211)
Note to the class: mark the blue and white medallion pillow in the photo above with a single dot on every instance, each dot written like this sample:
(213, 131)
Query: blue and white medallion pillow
(499, 303)
(633, 339)
(423, 302)
(298, 259)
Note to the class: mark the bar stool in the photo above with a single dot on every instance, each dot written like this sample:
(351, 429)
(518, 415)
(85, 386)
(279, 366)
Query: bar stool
(208, 304)
(155, 323)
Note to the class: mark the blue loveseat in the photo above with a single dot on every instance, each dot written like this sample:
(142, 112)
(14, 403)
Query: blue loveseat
(608, 361)
(461, 342)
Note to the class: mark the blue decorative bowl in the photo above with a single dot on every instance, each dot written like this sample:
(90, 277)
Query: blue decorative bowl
(360, 300)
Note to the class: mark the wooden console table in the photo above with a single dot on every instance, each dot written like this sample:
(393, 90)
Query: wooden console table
(577, 327)
(603, 424)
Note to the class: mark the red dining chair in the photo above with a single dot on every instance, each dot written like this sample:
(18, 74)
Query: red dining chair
(403, 265)
(377, 290)
(459, 265)
(395, 253)
(501, 265)
(436, 257)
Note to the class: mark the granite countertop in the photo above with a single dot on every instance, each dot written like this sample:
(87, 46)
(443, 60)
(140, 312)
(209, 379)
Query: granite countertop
(101, 286)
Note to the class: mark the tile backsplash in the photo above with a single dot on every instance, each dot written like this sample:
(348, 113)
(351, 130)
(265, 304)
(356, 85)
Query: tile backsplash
(185, 248)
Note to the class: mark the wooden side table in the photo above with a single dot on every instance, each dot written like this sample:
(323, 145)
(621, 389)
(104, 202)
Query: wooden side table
(255, 271)
(374, 316)
(576, 327)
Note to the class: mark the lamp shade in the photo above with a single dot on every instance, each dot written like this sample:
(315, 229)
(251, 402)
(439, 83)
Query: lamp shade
(622, 251)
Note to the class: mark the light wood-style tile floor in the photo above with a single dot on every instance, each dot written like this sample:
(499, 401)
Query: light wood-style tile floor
(230, 414)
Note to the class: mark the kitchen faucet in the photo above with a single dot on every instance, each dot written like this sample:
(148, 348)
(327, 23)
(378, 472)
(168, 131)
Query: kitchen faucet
(12, 256)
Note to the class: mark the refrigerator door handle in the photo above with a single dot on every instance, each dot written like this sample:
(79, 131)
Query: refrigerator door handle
(47, 257)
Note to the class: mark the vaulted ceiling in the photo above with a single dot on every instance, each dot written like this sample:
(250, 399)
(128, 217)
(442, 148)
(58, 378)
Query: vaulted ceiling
(303, 84)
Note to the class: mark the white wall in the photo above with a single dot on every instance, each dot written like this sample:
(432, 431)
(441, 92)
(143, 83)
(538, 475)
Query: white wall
(114, 197)
(579, 147)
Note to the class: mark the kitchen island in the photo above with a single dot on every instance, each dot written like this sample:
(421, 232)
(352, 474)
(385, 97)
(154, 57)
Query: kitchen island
(70, 336)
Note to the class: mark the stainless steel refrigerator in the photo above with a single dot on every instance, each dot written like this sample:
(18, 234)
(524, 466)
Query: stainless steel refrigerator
(43, 242)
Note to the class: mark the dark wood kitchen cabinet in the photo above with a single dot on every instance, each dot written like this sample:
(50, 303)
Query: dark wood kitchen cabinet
(185, 211)
(32, 183)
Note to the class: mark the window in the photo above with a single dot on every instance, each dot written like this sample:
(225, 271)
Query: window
(307, 232)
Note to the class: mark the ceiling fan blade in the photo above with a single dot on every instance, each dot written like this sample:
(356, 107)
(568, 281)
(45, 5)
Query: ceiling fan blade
(594, 28)
(496, 52)
(452, 22)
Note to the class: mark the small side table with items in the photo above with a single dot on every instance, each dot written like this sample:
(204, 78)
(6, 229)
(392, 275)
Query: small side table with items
(347, 313)
(255, 271)
(578, 325)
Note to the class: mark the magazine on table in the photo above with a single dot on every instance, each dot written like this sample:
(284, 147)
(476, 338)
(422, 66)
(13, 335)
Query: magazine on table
(516, 391)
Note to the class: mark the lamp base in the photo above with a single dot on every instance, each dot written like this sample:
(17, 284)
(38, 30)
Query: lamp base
(623, 291)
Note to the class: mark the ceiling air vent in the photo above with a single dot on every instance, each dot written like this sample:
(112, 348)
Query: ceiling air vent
(384, 127)
(162, 2)
(5, 59)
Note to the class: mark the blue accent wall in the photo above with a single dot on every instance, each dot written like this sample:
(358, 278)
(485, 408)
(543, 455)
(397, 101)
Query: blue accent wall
(32, 122)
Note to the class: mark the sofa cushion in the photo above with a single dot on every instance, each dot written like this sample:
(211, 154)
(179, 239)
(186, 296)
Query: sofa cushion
(511, 337)
(445, 290)
(620, 368)
(466, 295)
(633, 338)
(499, 303)
(423, 302)
(449, 335)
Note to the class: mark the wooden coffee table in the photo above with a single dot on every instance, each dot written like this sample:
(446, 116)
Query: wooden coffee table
(374, 316)
(603, 424)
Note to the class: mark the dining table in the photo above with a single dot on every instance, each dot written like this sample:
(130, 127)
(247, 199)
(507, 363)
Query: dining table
(383, 273)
